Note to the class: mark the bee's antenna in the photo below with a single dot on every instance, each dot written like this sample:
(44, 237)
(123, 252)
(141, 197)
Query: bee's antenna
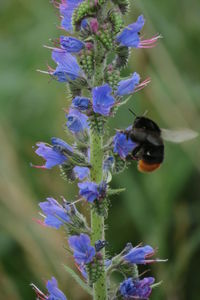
(132, 112)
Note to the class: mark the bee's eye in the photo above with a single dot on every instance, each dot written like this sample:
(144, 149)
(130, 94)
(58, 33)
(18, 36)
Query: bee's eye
(148, 153)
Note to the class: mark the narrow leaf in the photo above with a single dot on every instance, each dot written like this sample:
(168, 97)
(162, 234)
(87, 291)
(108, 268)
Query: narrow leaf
(115, 191)
(78, 279)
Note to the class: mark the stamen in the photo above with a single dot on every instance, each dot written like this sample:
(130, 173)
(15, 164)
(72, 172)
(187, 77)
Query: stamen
(79, 200)
(40, 222)
(40, 295)
(37, 167)
(56, 4)
(51, 48)
(43, 72)
(149, 43)
(142, 85)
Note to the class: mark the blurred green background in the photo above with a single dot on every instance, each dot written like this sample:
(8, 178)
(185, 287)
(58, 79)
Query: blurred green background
(162, 209)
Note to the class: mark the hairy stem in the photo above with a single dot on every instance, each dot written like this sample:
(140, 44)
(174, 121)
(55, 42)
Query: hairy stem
(97, 222)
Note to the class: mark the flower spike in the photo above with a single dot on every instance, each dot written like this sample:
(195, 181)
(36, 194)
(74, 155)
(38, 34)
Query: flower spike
(89, 65)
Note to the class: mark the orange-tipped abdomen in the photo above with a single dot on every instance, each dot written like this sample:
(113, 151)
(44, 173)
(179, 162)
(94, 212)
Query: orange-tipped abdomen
(147, 168)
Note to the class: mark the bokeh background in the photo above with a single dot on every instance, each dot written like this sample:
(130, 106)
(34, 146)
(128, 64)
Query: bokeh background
(162, 209)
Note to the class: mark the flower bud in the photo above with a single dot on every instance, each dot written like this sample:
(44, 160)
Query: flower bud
(105, 37)
(112, 76)
(119, 165)
(116, 20)
(87, 60)
(122, 56)
(123, 5)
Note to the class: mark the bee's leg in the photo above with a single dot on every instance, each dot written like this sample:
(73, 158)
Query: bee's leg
(137, 152)
(127, 134)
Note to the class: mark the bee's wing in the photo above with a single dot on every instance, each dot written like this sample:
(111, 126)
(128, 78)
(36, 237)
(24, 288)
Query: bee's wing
(178, 136)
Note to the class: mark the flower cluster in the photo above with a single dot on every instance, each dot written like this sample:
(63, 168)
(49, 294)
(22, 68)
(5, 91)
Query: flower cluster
(134, 287)
(89, 65)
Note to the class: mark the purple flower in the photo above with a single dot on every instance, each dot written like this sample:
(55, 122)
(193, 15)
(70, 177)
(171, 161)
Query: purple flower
(81, 103)
(89, 190)
(76, 121)
(67, 8)
(67, 66)
(136, 289)
(126, 87)
(140, 255)
(81, 172)
(92, 191)
(81, 246)
(58, 142)
(54, 292)
(130, 36)
(52, 155)
(71, 44)
(56, 215)
(102, 100)
(122, 145)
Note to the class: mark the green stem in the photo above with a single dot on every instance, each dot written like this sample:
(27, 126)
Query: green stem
(97, 222)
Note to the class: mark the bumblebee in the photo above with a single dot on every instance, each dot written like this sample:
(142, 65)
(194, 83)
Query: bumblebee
(149, 137)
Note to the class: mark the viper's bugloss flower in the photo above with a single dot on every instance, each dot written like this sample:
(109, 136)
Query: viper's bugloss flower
(56, 214)
(62, 144)
(71, 44)
(130, 36)
(89, 190)
(81, 172)
(52, 155)
(81, 246)
(122, 145)
(126, 87)
(76, 121)
(81, 103)
(67, 66)
(67, 8)
(140, 255)
(102, 100)
(136, 289)
(92, 191)
(54, 292)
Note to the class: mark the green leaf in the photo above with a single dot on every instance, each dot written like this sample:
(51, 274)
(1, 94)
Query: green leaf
(78, 279)
(155, 285)
(115, 191)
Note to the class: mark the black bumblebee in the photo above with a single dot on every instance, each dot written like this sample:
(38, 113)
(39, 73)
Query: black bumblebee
(149, 151)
